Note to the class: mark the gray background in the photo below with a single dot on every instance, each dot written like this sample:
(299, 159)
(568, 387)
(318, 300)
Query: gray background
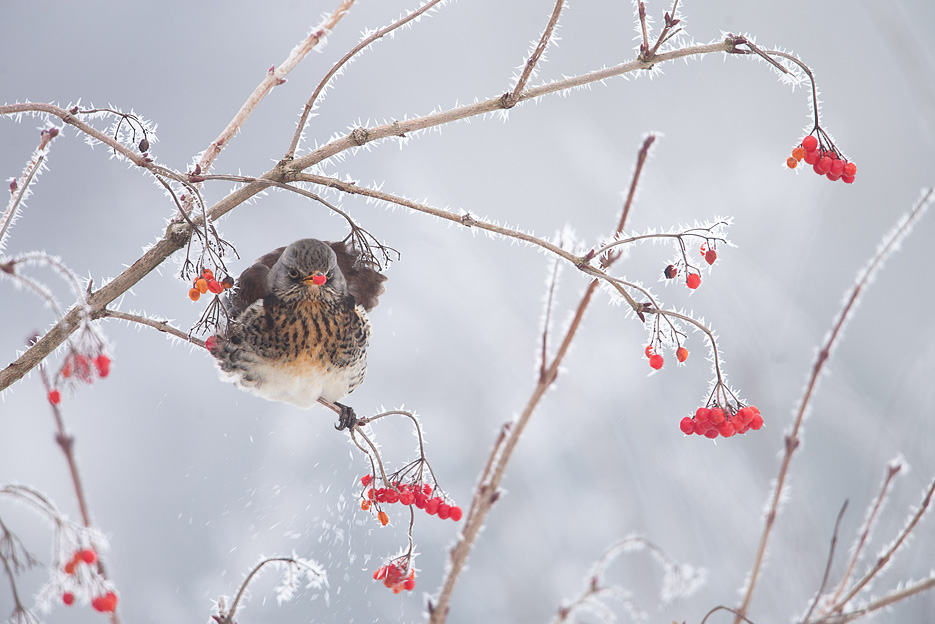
(192, 480)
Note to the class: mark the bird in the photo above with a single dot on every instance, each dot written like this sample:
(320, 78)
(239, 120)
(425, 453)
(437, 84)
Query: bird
(298, 329)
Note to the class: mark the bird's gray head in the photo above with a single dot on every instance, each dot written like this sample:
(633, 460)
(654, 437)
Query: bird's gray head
(306, 267)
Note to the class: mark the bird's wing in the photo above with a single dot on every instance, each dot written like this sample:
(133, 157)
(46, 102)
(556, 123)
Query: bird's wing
(251, 285)
(364, 282)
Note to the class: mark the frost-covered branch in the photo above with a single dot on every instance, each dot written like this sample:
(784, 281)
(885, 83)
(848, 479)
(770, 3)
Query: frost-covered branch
(792, 440)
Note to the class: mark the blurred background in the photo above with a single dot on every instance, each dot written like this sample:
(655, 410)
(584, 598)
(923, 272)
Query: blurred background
(192, 480)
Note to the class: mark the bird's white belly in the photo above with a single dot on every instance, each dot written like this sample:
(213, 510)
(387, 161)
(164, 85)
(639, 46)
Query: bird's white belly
(277, 383)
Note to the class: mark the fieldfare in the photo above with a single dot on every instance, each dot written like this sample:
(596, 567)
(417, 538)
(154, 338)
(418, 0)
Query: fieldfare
(298, 327)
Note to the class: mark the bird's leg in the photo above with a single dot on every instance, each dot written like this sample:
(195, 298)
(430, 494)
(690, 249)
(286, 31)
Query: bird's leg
(347, 419)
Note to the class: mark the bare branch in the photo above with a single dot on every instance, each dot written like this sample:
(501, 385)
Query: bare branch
(890, 243)
(488, 489)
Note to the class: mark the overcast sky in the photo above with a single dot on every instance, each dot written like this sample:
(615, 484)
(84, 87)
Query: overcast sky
(192, 480)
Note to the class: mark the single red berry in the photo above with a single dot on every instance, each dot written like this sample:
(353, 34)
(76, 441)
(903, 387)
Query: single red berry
(427, 489)
(670, 271)
(194, 294)
(410, 584)
(711, 433)
(648, 351)
(812, 157)
(383, 518)
(365, 505)
(380, 573)
(798, 153)
(88, 556)
(365, 480)
(656, 361)
(710, 256)
(810, 143)
(55, 397)
(824, 165)
(68, 598)
(444, 511)
(214, 286)
(693, 281)
(848, 179)
(455, 512)
(850, 169)
(717, 416)
(106, 603)
(700, 427)
(792, 163)
(703, 414)
(681, 354)
(431, 506)
(420, 500)
(406, 497)
(318, 280)
(211, 343)
(726, 429)
(70, 566)
(201, 284)
(102, 364)
(392, 496)
(66, 369)
(837, 167)
(756, 422)
(687, 425)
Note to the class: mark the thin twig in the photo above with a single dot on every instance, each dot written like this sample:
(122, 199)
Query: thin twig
(66, 442)
(858, 550)
(892, 598)
(830, 561)
(310, 105)
(274, 77)
(228, 618)
(512, 97)
(162, 326)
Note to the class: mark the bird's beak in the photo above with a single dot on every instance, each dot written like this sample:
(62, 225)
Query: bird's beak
(317, 278)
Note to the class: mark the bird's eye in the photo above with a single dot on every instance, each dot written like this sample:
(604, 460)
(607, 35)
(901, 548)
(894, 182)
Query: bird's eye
(294, 273)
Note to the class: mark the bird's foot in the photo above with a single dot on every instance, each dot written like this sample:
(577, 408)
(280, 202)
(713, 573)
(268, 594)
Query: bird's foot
(347, 419)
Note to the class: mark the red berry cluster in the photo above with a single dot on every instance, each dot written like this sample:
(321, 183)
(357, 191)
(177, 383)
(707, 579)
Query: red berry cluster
(395, 575)
(718, 421)
(106, 602)
(408, 494)
(79, 366)
(825, 161)
(207, 283)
